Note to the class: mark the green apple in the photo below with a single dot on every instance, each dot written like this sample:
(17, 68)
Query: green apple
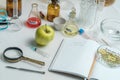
(44, 34)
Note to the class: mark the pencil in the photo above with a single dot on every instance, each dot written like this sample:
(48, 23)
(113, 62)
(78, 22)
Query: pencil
(92, 67)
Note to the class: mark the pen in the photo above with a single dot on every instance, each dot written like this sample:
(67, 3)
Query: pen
(23, 69)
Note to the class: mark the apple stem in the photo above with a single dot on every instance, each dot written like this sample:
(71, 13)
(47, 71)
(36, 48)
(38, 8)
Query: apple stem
(46, 28)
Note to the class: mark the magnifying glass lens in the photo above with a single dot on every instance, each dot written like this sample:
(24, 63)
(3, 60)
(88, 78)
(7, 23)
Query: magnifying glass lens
(12, 54)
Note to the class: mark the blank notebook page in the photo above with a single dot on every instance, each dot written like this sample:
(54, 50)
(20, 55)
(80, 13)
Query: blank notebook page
(75, 56)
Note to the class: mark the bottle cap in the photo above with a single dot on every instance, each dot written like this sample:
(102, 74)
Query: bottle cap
(81, 31)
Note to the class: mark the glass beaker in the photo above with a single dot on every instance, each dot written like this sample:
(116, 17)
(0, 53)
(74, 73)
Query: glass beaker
(14, 7)
(88, 12)
(33, 20)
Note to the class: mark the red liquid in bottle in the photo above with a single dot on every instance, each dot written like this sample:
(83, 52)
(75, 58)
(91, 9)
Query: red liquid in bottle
(33, 22)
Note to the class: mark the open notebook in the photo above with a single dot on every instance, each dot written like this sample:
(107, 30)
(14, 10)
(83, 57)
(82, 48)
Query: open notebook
(74, 56)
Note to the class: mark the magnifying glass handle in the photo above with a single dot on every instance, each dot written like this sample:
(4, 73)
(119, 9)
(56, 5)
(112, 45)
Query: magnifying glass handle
(34, 61)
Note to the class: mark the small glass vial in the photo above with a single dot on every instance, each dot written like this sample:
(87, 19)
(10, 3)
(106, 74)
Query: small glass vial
(70, 29)
(13, 6)
(34, 20)
(53, 10)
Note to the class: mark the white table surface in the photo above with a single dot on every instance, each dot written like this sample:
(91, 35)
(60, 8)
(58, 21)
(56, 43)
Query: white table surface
(25, 38)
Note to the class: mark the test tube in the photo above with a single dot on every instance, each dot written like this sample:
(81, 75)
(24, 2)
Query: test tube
(83, 34)
(39, 51)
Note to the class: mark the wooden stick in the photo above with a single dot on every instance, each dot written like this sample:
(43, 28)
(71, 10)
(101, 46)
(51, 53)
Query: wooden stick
(92, 67)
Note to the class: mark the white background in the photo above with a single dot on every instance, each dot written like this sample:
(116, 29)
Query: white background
(25, 38)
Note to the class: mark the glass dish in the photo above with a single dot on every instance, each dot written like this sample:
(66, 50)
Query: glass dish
(110, 28)
(108, 56)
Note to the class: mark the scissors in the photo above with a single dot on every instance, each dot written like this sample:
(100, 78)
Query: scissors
(15, 54)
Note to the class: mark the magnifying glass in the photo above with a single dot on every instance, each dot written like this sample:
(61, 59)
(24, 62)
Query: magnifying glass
(15, 54)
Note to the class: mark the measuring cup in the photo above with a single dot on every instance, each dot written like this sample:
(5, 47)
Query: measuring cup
(17, 55)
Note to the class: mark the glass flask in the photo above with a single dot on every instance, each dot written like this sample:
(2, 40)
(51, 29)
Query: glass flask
(88, 12)
(14, 7)
(53, 10)
(34, 20)
(70, 28)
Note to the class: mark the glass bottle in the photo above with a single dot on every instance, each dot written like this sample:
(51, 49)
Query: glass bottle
(53, 10)
(14, 11)
(16, 24)
(109, 2)
(34, 20)
(70, 29)
(14, 6)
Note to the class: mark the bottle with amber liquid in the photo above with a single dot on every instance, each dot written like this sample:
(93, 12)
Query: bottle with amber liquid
(53, 10)
(14, 7)
(109, 2)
